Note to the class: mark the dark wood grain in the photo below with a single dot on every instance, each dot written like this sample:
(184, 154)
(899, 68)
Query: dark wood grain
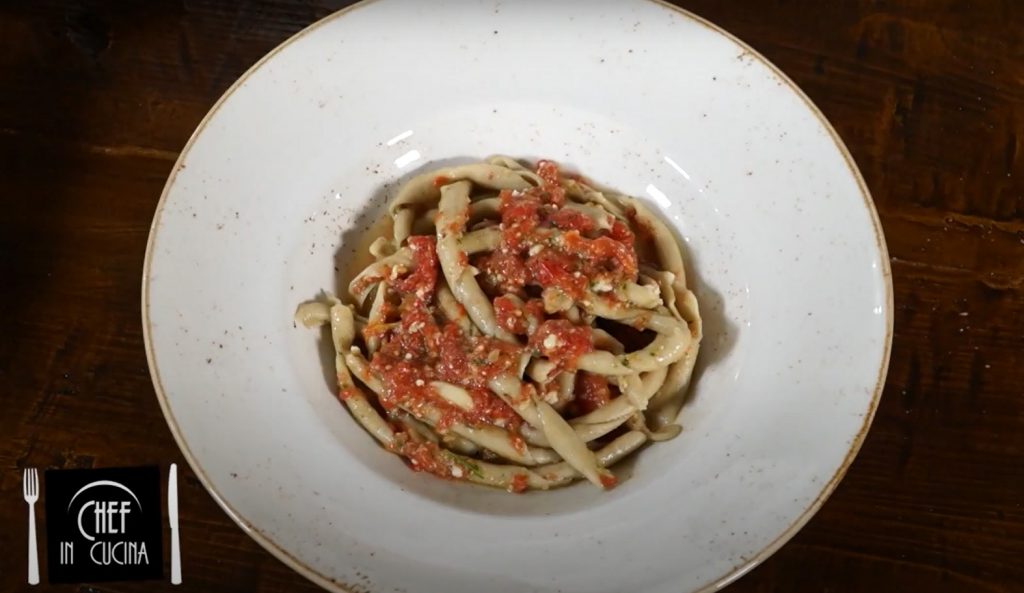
(97, 98)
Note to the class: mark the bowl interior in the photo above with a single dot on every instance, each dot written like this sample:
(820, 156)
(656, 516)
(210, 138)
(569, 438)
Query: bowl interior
(272, 195)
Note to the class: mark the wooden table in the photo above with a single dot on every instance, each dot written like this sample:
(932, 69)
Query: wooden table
(97, 98)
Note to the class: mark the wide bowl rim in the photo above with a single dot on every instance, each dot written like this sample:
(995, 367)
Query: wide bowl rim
(732, 574)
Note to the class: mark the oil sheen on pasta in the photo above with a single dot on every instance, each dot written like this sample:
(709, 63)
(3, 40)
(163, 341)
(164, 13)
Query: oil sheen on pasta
(515, 327)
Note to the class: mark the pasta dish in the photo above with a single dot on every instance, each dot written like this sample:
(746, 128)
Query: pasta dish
(517, 328)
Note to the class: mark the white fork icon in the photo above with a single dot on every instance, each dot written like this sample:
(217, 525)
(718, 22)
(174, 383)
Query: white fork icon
(30, 487)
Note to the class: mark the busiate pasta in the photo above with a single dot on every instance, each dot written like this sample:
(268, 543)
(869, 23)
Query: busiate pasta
(518, 328)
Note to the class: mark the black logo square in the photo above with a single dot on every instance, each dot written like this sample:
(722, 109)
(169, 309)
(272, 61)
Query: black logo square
(103, 524)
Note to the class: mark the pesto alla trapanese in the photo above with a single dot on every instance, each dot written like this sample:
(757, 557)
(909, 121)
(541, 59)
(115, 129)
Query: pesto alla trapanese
(518, 328)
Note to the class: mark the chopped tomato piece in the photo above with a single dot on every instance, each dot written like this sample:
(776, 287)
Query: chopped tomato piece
(519, 483)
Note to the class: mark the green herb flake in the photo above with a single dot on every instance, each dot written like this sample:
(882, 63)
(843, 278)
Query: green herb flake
(465, 464)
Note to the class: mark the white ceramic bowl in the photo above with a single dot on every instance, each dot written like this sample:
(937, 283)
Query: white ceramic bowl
(785, 251)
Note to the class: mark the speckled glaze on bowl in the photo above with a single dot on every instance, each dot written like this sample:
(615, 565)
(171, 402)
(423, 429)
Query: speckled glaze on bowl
(266, 201)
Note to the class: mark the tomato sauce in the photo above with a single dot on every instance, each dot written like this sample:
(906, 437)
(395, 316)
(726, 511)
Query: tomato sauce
(603, 254)
(422, 280)
(592, 392)
(519, 483)
(546, 245)
(561, 342)
(416, 350)
(425, 457)
(551, 186)
(509, 315)
(503, 272)
(554, 268)
(516, 319)
(520, 216)
(414, 355)
(573, 220)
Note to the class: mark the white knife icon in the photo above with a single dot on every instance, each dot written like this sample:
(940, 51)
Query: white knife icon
(172, 512)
